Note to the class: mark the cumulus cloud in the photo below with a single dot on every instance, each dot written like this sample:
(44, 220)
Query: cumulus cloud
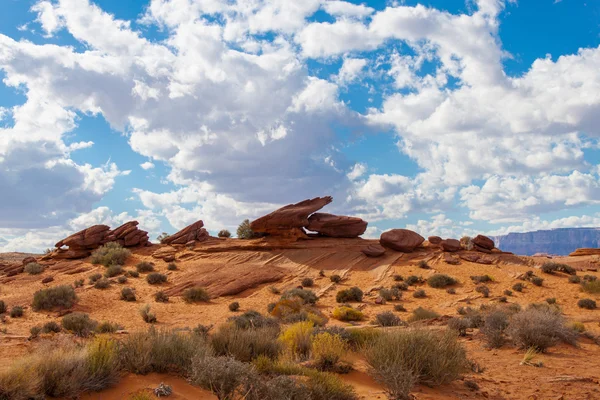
(147, 165)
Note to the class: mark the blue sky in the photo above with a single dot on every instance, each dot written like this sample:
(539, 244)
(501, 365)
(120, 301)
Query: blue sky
(447, 117)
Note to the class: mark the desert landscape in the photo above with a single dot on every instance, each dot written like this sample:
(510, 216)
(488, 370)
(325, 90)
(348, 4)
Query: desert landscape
(322, 300)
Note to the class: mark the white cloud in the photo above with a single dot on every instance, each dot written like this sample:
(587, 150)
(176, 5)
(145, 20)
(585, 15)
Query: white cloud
(346, 9)
(147, 165)
(351, 70)
(440, 225)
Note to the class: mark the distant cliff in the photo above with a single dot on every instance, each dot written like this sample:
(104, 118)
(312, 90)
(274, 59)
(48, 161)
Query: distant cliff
(556, 241)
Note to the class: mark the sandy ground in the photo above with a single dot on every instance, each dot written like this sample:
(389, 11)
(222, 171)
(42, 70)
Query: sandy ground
(245, 270)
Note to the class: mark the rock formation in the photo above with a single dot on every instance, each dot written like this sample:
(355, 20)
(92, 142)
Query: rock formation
(401, 240)
(483, 244)
(192, 233)
(451, 245)
(373, 250)
(434, 240)
(290, 220)
(336, 225)
(585, 252)
(128, 235)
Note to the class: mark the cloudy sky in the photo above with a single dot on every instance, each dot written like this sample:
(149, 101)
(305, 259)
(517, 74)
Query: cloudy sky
(443, 116)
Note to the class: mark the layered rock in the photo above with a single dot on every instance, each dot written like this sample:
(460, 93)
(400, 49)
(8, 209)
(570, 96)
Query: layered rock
(192, 233)
(128, 235)
(585, 252)
(89, 238)
(483, 244)
(403, 240)
(373, 250)
(450, 245)
(290, 220)
(336, 225)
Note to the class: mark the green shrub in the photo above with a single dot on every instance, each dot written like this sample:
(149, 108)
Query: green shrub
(591, 286)
(423, 264)
(246, 344)
(551, 300)
(307, 296)
(161, 297)
(78, 283)
(16, 312)
(128, 294)
(297, 338)
(493, 328)
(195, 295)
(347, 314)
(327, 350)
(235, 306)
(399, 308)
(108, 327)
(34, 268)
(274, 290)
(113, 270)
(390, 294)
(172, 267)
(481, 278)
(244, 231)
(224, 233)
(109, 254)
(460, 325)
(551, 267)
(79, 324)
(440, 281)
(420, 314)
(574, 279)
(508, 292)
(419, 294)
(387, 318)
(102, 283)
(51, 327)
(483, 289)
(335, 278)
(122, 279)
(156, 278)
(413, 280)
(252, 319)
(399, 359)
(540, 328)
(133, 274)
(589, 278)
(307, 282)
(35, 331)
(518, 287)
(95, 277)
(537, 281)
(226, 377)
(294, 309)
(59, 296)
(400, 286)
(144, 266)
(586, 303)
(451, 291)
(349, 295)
(148, 316)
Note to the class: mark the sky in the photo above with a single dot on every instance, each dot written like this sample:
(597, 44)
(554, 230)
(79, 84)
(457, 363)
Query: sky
(447, 117)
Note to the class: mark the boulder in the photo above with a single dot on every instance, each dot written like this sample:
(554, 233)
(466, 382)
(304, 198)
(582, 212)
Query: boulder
(450, 245)
(28, 260)
(483, 242)
(336, 225)
(192, 233)
(373, 250)
(401, 240)
(165, 252)
(434, 239)
(89, 238)
(481, 249)
(290, 220)
(128, 235)
(451, 259)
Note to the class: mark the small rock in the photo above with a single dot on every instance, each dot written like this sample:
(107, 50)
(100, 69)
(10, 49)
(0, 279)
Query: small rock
(373, 250)
(47, 279)
(163, 390)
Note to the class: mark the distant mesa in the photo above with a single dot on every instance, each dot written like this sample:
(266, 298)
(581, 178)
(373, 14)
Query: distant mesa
(292, 220)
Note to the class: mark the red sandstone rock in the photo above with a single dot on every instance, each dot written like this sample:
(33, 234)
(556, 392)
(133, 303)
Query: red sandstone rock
(483, 242)
(336, 225)
(451, 259)
(434, 239)
(28, 260)
(288, 221)
(481, 249)
(191, 233)
(373, 250)
(401, 240)
(450, 245)
(88, 238)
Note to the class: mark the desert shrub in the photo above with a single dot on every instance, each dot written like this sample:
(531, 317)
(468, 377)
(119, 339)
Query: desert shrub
(144, 266)
(51, 327)
(349, 295)
(195, 295)
(578, 326)
(35, 331)
(420, 314)
(128, 294)
(474, 317)
(387, 318)
(3, 307)
(502, 299)
(507, 292)
(423, 264)
(347, 314)
(122, 279)
(399, 308)
(591, 286)
(481, 278)
(108, 327)
(79, 324)
(133, 274)
(297, 338)
(294, 309)
(113, 270)
(327, 386)
(252, 319)
(335, 278)
(400, 286)
(148, 316)
(322, 273)
(307, 282)
(161, 297)
(551, 267)
(246, 344)
(59, 296)
(466, 243)
(586, 303)
(460, 325)
(574, 279)
(274, 290)
(162, 237)
(419, 294)
(327, 350)
(397, 278)
(102, 364)
(589, 278)
(307, 296)
(94, 278)
(451, 291)
(172, 267)
(483, 289)
(244, 231)
(19, 382)
(390, 294)
(16, 312)
(518, 287)
(537, 281)
(413, 280)
(109, 254)
(156, 278)
(540, 328)
(551, 300)
(202, 330)
(235, 306)
(34, 268)
(494, 325)
(102, 283)
(224, 233)
(226, 377)
(440, 281)
(78, 283)
(400, 359)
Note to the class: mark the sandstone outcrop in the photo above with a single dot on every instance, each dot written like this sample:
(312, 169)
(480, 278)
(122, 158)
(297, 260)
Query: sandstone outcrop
(290, 220)
(336, 225)
(585, 252)
(450, 245)
(192, 233)
(403, 240)
(483, 242)
(434, 240)
(373, 250)
(128, 235)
